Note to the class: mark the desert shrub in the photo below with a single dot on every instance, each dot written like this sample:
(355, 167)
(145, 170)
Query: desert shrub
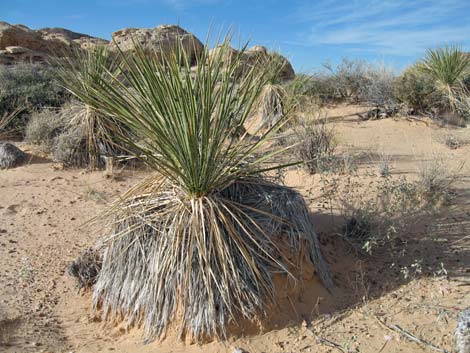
(70, 149)
(44, 126)
(417, 91)
(194, 245)
(436, 180)
(378, 87)
(348, 78)
(28, 87)
(315, 144)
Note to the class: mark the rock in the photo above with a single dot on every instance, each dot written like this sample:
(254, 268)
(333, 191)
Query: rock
(229, 55)
(16, 50)
(462, 332)
(85, 41)
(239, 350)
(257, 55)
(160, 39)
(10, 155)
(19, 43)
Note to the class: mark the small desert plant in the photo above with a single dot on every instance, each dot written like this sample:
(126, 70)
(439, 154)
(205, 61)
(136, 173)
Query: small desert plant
(26, 88)
(76, 74)
(448, 66)
(195, 244)
(85, 268)
(315, 144)
(436, 178)
(454, 141)
(384, 165)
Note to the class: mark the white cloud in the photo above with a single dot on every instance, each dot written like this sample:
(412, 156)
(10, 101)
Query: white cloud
(393, 27)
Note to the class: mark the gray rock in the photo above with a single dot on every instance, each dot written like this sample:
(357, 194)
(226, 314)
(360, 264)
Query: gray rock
(10, 155)
(462, 332)
(161, 40)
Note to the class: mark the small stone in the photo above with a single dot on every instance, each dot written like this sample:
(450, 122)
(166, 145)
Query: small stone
(239, 350)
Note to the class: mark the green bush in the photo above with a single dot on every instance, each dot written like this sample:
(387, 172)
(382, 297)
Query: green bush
(28, 87)
(417, 91)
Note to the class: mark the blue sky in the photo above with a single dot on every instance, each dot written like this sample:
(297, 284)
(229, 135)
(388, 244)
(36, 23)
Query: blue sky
(308, 32)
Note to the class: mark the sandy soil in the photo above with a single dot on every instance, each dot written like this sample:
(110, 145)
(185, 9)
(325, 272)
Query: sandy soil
(43, 209)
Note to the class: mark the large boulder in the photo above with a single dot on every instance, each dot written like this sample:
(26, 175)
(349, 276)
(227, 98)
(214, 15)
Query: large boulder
(19, 43)
(257, 55)
(10, 155)
(22, 36)
(70, 38)
(161, 40)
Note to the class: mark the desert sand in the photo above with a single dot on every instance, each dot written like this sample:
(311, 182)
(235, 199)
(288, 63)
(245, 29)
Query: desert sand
(43, 215)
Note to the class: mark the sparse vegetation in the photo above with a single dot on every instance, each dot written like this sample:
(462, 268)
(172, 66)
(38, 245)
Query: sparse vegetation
(391, 206)
(26, 88)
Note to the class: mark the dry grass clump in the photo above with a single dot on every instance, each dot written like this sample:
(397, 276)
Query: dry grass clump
(67, 134)
(194, 246)
(315, 144)
(316, 147)
(70, 148)
(436, 178)
(44, 126)
(85, 268)
(5, 120)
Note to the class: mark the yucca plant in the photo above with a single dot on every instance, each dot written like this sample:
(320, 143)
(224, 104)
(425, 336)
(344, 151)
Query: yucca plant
(77, 71)
(195, 244)
(447, 66)
(272, 101)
